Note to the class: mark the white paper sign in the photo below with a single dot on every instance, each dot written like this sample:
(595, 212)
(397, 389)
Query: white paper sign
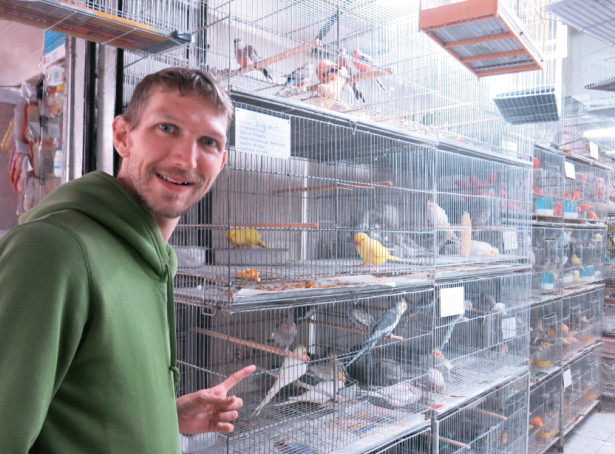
(567, 375)
(593, 150)
(512, 146)
(262, 134)
(451, 301)
(510, 241)
(569, 169)
(509, 327)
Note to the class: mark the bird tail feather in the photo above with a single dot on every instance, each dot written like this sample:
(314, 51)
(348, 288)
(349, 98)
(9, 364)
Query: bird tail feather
(265, 401)
(382, 86)
(261, 244)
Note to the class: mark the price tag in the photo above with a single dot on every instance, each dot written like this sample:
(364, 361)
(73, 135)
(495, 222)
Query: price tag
(569, 169)
(594, 150)
(510, 241)
(262, 134)
(452, 301)
(567, 378)
(509, 327)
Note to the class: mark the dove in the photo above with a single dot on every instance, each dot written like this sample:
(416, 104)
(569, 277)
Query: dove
(284, 334)
(399, 395)
(244, 237)
(372, 251)
(498, 307)
(437, 216)
(365, 64)
(482, 249)
(292, 369)
(321, 393)
(300, 77)
(344, 62)
(383, 327)
(246, 55)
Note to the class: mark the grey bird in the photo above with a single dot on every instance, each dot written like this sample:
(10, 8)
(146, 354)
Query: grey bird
(300, 77)
(246, 55)
(284, 334)
(383, 327)
(360, 318)
(479, 218)
(303, 313)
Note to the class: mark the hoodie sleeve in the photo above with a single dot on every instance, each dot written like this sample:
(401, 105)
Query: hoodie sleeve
(44, 301)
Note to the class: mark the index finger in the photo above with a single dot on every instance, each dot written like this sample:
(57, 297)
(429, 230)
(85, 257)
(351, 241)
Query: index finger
(227, 384)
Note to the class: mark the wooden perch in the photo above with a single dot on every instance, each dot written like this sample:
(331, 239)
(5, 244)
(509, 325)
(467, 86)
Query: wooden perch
(334, 186)
(361, 77)
(453, 442)
(296, 225)
(495, 415)
(353, 330)
(276, 58)
(265, 348)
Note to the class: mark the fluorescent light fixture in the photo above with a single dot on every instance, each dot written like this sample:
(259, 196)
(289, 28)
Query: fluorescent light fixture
(599, 133)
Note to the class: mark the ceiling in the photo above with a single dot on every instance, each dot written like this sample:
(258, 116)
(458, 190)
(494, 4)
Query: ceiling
(20, 52)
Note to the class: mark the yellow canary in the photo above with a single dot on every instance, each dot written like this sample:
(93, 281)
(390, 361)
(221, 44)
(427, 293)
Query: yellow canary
(372, 251)
(244, 237)
(575, 260)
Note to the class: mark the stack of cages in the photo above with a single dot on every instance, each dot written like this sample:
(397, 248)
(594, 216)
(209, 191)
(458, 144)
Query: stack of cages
(548, 251)
(581, 321)
(608, 374)
(481, 332)
(583, 391)
(322, 380)
(482, 214)
(587, 194)
(419, 443)
(548, 187)
(545, 339)
(584, 255)
(339, 207)
(545, 410)
(494, 423)
(598, 76)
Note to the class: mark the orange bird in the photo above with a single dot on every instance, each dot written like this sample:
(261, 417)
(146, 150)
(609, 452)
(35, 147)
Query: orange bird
(592, 215)
(536, 163)
(576, 194)
(536, 421)
(557, 209)
(584, 207)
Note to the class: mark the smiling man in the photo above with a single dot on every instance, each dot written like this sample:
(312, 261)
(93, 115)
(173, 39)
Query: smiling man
(87, 316)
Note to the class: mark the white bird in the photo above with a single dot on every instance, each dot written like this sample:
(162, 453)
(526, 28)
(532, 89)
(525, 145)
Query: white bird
(482, 249)
(437, 216)
(292, 369)
(319, 394)
(498, 307)
(436, 381)
(399, 395)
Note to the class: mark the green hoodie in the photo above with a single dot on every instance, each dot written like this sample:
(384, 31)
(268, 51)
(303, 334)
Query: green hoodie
(87, 330)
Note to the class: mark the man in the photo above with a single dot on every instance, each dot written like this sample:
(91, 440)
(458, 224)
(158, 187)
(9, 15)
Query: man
(87, 316)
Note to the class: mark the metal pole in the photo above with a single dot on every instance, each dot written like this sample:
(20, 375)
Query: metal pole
(72, 140)
(105, 97)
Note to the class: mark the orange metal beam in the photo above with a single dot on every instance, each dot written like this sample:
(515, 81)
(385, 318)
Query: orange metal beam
(483, 39)
(511, 53)
(510, 70)
(457, 13)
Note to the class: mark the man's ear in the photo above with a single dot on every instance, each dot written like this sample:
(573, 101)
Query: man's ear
(121, 128)
(223, 160)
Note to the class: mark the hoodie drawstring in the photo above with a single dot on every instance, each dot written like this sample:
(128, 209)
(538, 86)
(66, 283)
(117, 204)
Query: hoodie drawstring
(172, 329)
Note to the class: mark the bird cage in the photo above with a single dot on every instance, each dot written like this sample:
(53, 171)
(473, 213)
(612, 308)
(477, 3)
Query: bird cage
(582, 320)
(585, 388)
(418, 443)
(586, 194)
(341, 206)
(545, 339)
(149, 27)
(481, 333)
(584, 255)
(545, 407)
(494, 423)
(548, 187)
(595, 21)
(482, 211)
(329, 373)
(549, 244)
(608, 320)
(608, 376)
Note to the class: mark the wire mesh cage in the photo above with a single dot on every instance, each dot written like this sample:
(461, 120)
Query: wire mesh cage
(482, 211)
(585, 388)
(548, 249)
(328, 373)
(419, 443)
(545, 339)
(545, 407)
(586, 195)
(495, 423)
(584, 255)
(608, 320)
(346, 204)
(548, 187)
(582, 320)
(608, 376)
(481, 334)
(598, 65)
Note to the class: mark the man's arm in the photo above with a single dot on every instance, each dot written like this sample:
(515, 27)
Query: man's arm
(44, 298)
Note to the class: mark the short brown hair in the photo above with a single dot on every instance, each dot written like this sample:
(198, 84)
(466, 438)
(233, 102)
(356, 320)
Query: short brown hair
(187, 82)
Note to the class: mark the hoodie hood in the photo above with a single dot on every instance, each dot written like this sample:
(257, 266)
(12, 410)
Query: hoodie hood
(101, 197)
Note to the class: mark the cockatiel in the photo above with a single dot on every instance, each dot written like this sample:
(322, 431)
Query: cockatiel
(344, 62)
(291, 370)
(365, 64)
(442, 364)
(437, 217)
(246, 55)
(321, 393)
(244, 238)
(482, 249)
(436, 381)
(327, 370)
(284, 334)
(372, 251)
(300, 77)
(383, 327)
(361, 319)
(399, 395)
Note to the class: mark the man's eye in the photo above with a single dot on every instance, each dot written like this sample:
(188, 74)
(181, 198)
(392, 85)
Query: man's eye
(210, 142)
(165, 127)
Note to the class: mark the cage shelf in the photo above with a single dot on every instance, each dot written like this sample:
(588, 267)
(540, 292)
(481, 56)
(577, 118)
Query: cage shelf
(483, 35)
(535, 105)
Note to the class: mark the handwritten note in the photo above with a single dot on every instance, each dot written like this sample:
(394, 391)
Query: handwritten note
(263, 134)
(451, 301)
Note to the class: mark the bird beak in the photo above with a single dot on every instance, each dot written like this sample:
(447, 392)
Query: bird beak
(357, 243)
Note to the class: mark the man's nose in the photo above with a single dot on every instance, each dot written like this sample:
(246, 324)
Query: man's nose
(184, 154)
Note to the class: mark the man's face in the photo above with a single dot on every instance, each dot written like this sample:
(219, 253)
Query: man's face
(173, 156)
